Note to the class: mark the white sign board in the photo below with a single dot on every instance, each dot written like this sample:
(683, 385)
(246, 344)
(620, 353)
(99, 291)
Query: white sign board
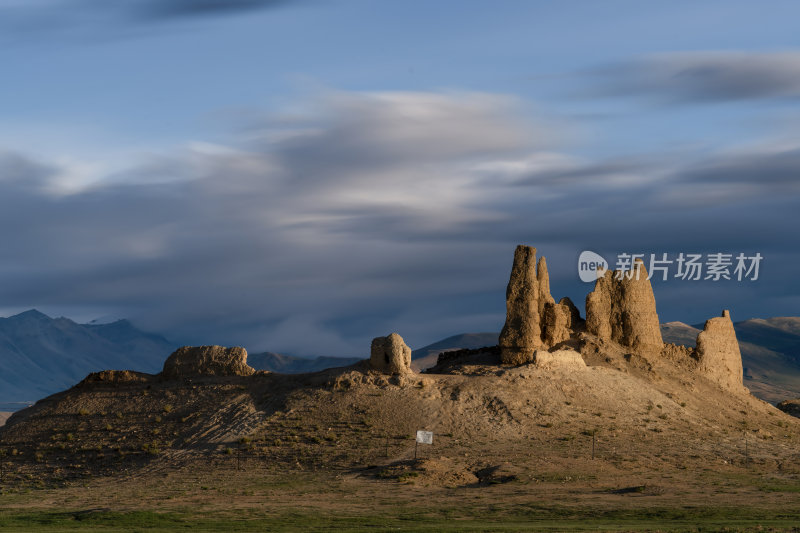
(425, 437)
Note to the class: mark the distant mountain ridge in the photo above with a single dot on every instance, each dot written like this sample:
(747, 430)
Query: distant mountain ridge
(40, 355)
(426, 357)
(289, 364)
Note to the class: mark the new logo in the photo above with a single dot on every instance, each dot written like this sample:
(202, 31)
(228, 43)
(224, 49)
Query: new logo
(591, 266)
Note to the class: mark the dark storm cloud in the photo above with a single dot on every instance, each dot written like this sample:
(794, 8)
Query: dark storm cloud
(364, 136)
(775, 171)
(586, 173)
(169, 9)
(288, 243)
(114, 19)
(18, 170)
(702, 77)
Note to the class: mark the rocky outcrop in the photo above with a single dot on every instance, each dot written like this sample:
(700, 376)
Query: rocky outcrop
(565, 359)
(598, 307)
(116, 377)
(560, 321)
(556, 323)
(622, 308)
(575, 320)
(390, 355)
(678, 353)
(543, 286)
(718, 352)
(521, 334)
(533, 319)
(207, 361)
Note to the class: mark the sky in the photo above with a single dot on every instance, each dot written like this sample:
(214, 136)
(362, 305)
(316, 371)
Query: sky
(301, 176)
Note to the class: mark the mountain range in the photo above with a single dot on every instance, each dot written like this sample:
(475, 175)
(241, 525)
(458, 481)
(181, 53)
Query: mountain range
(290, 364)
(40, 355)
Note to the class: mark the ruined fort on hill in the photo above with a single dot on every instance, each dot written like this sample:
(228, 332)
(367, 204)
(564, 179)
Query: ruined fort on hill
(553, 378)
(620, 310)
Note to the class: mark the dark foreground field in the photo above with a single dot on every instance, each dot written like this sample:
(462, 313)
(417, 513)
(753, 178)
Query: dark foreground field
(218, 497)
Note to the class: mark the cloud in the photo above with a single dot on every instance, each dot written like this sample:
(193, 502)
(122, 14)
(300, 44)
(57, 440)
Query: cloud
(90, 18)
(776, 170)
(244, 244)
(702, 77)
(170, 9)
(21, 171)
(367, 213)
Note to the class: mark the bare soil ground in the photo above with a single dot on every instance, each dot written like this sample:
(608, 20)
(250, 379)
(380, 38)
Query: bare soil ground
(4, 417)
(627, 434)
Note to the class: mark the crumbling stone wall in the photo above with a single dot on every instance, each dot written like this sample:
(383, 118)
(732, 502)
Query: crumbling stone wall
(718, 352)
(208, 361)
(390, 355)
(622, 308)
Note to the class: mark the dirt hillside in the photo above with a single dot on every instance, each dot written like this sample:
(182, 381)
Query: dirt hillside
(483, 414)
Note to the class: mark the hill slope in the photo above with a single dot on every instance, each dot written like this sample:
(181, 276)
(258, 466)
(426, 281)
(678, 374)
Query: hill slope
(492, 422)
(40, 355)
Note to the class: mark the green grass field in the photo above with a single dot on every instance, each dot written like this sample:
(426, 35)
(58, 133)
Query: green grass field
(532, 519)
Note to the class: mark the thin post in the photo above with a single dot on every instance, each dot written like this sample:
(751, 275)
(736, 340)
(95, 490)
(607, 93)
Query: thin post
(593, 434)
(416, 445)
(387, 445)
